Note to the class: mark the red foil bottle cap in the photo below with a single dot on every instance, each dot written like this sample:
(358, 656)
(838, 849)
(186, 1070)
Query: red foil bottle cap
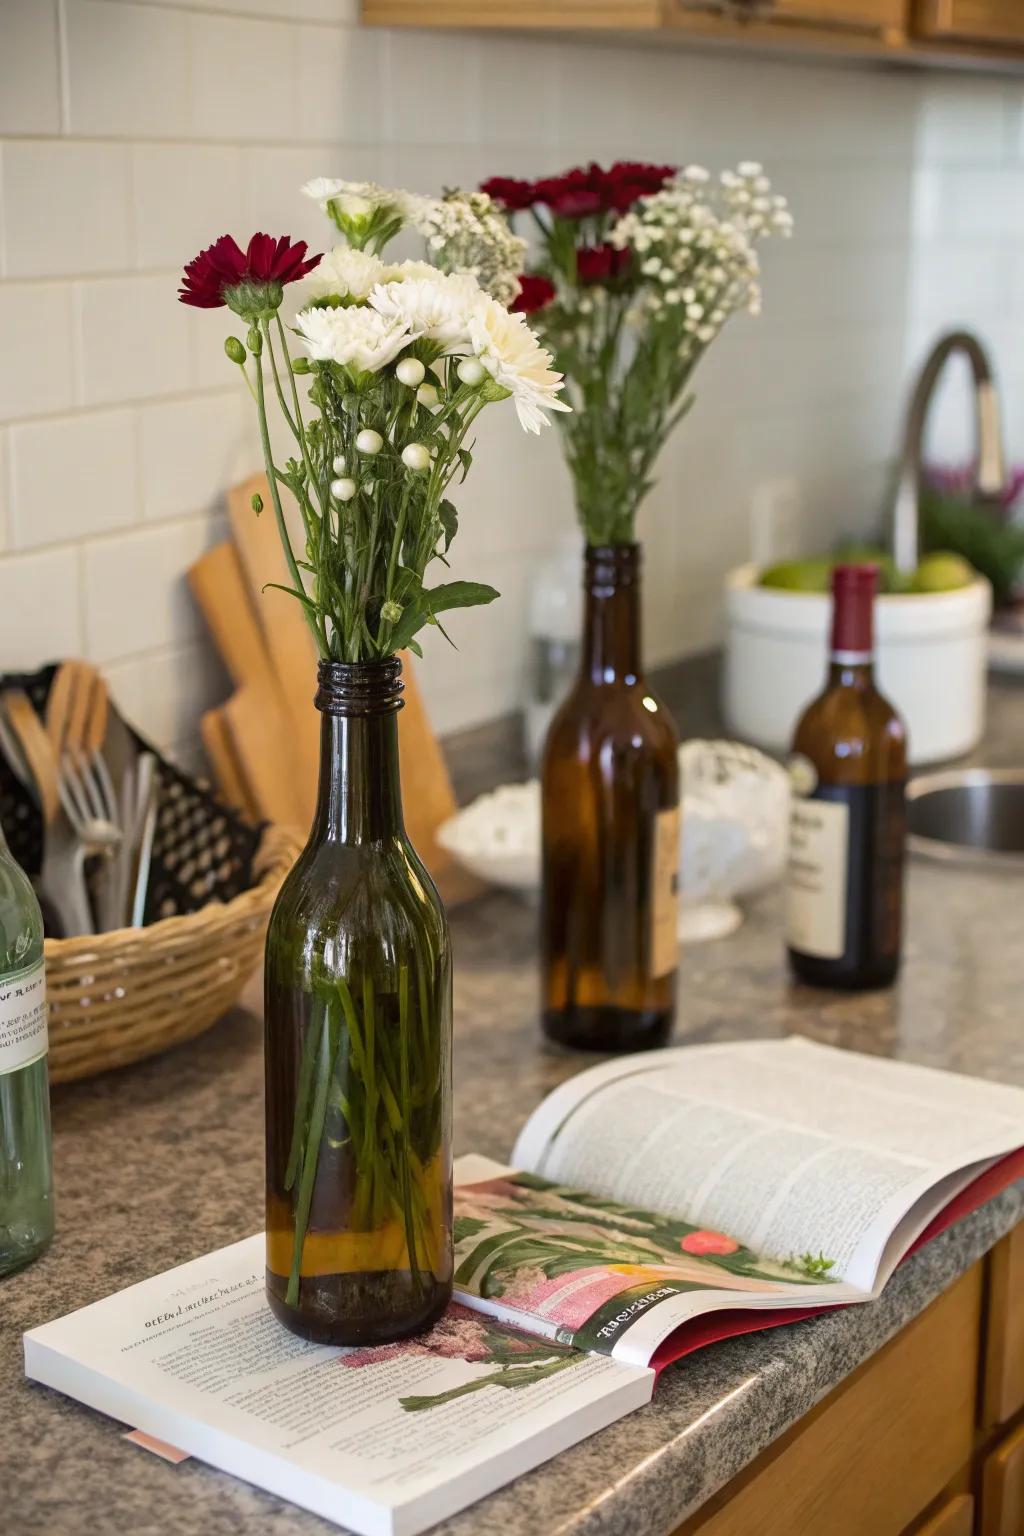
(853, 601)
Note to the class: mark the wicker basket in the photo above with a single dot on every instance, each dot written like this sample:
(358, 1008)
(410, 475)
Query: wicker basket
(117, 997)
(120, 996)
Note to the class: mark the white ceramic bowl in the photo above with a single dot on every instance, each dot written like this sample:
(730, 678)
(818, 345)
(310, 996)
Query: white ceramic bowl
(732, 840)
(931, 660)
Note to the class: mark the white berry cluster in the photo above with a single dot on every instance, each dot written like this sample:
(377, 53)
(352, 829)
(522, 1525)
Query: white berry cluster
(694, 246)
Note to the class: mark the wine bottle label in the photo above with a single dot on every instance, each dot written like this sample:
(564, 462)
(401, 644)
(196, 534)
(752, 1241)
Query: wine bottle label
(665, 894)
(819, 842)
(22, 1018)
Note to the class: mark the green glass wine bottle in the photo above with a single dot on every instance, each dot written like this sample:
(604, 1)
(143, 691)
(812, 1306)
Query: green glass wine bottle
(26, 1187)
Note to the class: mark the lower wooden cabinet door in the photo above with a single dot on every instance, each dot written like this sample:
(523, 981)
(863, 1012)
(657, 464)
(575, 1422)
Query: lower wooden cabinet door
(954, 1518)
(971, 21)
(1002, 1488)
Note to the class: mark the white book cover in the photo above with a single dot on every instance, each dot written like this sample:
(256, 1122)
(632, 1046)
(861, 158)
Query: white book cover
(385, 1441)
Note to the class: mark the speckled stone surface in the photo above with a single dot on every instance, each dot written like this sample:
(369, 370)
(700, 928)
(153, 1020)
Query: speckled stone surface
(163, 1161)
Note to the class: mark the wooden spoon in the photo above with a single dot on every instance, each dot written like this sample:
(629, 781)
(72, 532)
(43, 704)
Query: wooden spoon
(37, 751)
(77, 709)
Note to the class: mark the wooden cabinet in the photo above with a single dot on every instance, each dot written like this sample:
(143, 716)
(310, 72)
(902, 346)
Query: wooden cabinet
(991, 22)
(561, 15)
(954, 1517)
(1003, 1381)
(1002, 1488)
(870, 17)
(878, 1450)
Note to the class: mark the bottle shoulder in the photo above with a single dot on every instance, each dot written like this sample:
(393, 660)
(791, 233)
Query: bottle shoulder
(21, 921)
(626, 713)
(853, 734)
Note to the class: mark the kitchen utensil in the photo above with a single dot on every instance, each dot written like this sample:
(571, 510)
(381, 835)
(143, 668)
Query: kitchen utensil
(77, 708)
(143, 832)
(91, 808)
(260, 737)
(219, 586)
(61, 879)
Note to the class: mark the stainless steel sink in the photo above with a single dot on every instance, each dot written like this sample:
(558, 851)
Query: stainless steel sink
(973, 815)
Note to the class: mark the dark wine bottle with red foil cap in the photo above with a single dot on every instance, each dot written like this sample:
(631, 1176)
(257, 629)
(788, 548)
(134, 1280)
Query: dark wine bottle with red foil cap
(844, 893)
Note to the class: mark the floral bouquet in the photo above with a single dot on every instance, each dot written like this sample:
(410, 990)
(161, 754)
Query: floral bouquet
(401, 359)
(640, 267)
(378, 378)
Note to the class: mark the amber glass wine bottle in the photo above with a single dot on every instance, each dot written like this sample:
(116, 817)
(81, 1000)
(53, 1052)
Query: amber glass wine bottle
(610, 808)
(847, 829)
(358, 1046)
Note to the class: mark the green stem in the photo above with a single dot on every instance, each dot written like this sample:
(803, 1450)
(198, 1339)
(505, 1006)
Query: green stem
(311, 1155)
(310, 1046)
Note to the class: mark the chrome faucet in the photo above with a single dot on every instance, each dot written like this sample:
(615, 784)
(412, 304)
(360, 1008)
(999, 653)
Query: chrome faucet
(990, 473)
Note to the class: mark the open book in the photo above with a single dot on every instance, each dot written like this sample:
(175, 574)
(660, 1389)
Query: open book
(656, 1203)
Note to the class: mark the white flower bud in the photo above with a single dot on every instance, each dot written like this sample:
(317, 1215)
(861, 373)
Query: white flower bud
(471, 371)
(416, 456)
(339, 464)
(343, 490)
(427, 395)
(410, 371)
(369, 441)
(750, 168)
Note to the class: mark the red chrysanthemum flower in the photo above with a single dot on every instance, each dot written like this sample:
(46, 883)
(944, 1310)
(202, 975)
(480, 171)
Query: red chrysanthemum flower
(631, 179)
(535, 292)
(600, 263)
(247, 281)
(513, 193)
(574, 195)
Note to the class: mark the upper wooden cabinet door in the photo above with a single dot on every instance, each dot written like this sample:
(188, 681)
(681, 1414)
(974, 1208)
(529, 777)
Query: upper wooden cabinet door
(567, 15)
(971, 21)
(878, 17)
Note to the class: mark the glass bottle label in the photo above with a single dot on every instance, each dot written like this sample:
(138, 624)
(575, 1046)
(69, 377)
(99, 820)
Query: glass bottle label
(819, 837)
(23, 1036)
(665, 894)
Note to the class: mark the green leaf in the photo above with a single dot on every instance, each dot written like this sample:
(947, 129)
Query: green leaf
(303, 597)
(458, 594)
(449, 522)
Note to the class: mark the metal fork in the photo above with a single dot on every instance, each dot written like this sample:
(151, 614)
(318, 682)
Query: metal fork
(90, 804)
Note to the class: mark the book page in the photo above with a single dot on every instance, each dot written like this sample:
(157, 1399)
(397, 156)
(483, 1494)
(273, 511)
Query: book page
(803, 1152)
(381, 1440)
(585, 1271)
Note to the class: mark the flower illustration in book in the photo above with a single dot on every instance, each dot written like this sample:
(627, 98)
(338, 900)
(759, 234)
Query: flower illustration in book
(544, 1249)
(518, 1359)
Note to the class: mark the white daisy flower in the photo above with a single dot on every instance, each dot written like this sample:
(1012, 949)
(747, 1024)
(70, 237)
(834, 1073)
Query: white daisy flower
(515, 359)
(358, 338)
(345, 273)
(438, 307)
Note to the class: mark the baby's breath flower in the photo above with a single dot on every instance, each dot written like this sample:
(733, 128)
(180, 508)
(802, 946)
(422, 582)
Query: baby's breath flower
(469, 233)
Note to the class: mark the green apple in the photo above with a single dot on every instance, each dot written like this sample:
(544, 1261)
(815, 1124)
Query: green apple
(798, 575)
(942, 571)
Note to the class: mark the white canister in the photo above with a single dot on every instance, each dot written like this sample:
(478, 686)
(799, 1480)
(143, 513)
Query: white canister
(930, 656)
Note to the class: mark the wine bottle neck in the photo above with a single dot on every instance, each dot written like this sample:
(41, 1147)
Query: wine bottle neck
(611, 624)
(360, 794)
(851, 669)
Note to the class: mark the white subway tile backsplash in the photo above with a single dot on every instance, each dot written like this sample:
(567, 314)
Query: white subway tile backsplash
(164, 694)
(243, 79)
(127, 70)
(36, 357)
(339, 79)
(122, 422)
(29, 67)
(133, 342)
(52, 193)
(136, 594)
(183, 197)
(192, 451)
(73, 476)
(39, 600)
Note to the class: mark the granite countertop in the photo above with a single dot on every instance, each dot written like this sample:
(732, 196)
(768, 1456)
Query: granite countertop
(163, 1161)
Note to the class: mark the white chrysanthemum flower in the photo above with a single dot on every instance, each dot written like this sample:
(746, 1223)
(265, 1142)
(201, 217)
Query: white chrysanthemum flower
(515, 359)
(322, 188)
(357, 337)
(397, 272)
(438, 307)
(347, 274)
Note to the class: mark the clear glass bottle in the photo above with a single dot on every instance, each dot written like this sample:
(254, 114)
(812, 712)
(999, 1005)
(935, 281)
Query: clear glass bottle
(358, 1046)
(844, 889)
(26, 1181)
(610, 816)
